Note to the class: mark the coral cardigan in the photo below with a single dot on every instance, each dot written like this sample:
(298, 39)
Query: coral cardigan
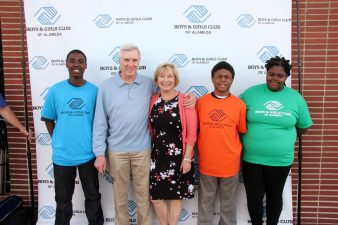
(188, 121)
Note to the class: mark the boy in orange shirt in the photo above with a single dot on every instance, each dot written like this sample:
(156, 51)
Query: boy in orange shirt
(222, 116)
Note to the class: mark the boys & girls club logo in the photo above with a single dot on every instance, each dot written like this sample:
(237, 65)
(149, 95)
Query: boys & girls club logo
(197, 16)
(132, 210)
(273, 110)
(47, 212)
(103, 21)
(44, 139)
(133, 20)
(273, 105)
(207, 60)
(114, 56)
(41, 62)
(47, 19)
(198, 91)
(247, 20)
(217, 115)
(267, 52)
(76, 103)
(47, 15)
(264, 54)
(107, 177)
(50, 171)
(184, 215)
(44, 93)
(180, 60)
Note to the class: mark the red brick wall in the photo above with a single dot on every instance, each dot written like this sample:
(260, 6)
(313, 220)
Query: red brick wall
(319, 67)
(11, 42)
(319, 60)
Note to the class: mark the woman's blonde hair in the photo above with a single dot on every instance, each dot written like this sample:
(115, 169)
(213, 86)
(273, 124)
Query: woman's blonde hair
(167, 67)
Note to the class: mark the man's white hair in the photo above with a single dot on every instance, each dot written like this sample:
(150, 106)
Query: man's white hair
(129, 47)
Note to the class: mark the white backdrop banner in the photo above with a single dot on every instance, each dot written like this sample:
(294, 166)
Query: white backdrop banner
(194, 35)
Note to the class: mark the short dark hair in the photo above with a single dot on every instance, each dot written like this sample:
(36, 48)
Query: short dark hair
(223, 65)
(76, 51)
(279, 61)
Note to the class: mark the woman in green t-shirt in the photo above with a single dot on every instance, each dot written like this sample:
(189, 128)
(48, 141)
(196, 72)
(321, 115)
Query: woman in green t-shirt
(275, 113)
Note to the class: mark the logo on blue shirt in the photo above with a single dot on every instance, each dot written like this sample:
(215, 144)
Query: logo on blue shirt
(76, 103)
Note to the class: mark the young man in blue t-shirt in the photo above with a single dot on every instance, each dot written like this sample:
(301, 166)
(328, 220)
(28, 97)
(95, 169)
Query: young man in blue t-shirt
(68, 113)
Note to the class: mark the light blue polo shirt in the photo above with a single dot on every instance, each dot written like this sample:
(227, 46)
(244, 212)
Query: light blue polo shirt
(121, 115)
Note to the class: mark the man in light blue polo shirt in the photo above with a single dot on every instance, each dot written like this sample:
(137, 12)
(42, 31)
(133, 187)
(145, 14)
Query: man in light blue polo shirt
(121, 122)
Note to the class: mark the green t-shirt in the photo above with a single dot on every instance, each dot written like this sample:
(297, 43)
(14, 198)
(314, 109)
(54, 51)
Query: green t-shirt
(272, 119)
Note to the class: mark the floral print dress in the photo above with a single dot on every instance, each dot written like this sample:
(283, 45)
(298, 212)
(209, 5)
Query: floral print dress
(166, 179)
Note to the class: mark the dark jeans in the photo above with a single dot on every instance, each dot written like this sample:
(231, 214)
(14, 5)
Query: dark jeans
(268, 180)
(64, 189)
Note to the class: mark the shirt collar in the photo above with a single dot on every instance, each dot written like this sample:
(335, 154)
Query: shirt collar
(138, 80)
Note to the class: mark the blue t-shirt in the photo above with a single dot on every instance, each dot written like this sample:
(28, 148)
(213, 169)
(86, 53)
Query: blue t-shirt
(2, 101)
(72, 109)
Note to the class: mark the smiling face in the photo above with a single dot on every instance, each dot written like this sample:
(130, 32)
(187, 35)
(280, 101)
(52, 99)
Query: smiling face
(76, 65)
(275, 78)
(129, 62)
(222, 80)
(166, 80)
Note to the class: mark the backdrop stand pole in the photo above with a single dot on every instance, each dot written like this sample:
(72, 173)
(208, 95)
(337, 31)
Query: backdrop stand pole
(28, 151)
(300, 153)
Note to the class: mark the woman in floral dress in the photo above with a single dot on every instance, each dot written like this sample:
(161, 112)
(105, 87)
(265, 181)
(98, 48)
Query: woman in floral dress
(173, 129)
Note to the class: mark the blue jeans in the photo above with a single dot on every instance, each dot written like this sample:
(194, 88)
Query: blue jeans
(64, 189)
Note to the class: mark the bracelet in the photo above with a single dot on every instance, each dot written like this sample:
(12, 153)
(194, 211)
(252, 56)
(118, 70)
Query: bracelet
(187, 160)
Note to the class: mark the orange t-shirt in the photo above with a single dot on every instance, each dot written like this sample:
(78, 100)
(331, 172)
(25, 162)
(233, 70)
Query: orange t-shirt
(219, 146)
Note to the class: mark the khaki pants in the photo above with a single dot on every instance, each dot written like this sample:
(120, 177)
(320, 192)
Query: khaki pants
(227, 188)
(120, 165)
